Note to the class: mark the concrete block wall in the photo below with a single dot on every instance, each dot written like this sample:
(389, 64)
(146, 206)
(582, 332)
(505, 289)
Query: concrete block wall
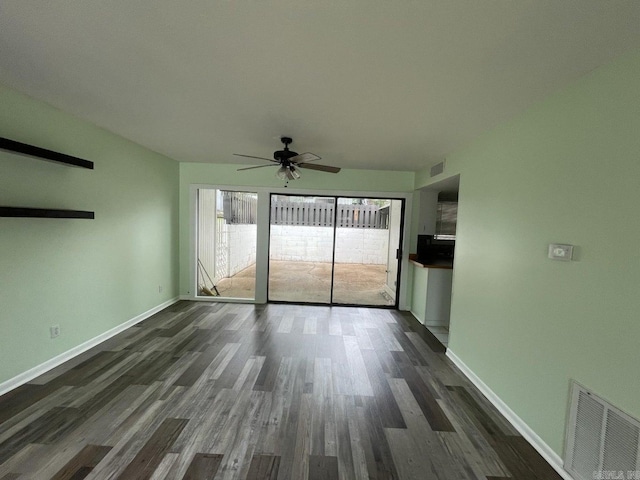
(301, 244)
(314, 244)
(362, 245)
(242, 247)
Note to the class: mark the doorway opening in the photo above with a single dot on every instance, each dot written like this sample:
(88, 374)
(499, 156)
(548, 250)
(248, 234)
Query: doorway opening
(433, 278)
(226, 243)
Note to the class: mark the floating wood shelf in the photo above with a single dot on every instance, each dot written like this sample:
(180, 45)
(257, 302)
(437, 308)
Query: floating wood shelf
(50, 156)
(44, 213)
(43, 154)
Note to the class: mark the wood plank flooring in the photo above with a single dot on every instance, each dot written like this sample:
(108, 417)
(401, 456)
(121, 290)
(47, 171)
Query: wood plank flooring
(289, 392)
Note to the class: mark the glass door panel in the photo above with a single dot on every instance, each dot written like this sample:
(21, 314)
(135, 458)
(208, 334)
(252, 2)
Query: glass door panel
(301, 248)
(226, 249)
(367, 241)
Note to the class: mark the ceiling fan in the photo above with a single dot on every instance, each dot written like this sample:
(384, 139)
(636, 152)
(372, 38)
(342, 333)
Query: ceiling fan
(290, 161)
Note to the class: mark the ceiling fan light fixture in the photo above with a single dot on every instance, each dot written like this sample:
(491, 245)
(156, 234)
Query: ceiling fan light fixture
(295, 173)
(289, 174)
(282, 173)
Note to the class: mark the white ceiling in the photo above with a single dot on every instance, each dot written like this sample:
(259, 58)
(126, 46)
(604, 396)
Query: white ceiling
(378, 84)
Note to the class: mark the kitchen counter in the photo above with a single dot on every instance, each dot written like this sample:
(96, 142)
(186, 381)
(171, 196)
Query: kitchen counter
(438, 263)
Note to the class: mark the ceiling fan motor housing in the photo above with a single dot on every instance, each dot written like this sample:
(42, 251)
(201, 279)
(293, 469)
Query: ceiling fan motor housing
(285, 154)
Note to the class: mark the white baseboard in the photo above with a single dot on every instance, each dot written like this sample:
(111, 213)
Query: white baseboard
(435, 323)
(525, 430)
(38, 370)
(191, 298)
(415, 315)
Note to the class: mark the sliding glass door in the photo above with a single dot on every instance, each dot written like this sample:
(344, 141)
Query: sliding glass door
(301, 248)
(334, 250)
(367, 251)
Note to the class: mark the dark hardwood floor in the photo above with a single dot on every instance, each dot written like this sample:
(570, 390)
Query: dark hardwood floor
(229, 391)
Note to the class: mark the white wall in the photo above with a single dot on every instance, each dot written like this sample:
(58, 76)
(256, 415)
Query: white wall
(299, 243)
(242, 246)
(362, 245)
(207, 232)
(315, 244)
(238, 242)
(291, 243)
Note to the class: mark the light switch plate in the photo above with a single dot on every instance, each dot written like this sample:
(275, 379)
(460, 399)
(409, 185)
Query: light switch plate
(558, 251)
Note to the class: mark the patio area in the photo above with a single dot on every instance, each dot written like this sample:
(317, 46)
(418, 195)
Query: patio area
(290, 281)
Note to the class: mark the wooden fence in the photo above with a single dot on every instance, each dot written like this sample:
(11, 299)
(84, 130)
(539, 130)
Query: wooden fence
(241, 208)
(322, 215)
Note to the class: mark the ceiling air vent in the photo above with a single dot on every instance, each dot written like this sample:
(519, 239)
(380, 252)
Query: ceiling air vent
(437, 169)
(602, 441)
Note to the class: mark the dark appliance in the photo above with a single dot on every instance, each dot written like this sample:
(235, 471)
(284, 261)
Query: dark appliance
(432, 250)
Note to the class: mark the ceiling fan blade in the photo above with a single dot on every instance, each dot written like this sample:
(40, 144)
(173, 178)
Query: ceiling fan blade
(322, 168)
(259, 158)
(258, 166)
(305, 157)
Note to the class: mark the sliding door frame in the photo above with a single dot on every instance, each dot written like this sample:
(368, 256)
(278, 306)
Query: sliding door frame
(399, 250)
(333, 247)
(403, 300)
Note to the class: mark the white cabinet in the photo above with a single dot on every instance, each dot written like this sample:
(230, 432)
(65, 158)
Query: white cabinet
(431, 300)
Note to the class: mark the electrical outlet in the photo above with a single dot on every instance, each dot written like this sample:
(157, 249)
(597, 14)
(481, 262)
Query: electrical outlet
(160, 289)
(54, 331)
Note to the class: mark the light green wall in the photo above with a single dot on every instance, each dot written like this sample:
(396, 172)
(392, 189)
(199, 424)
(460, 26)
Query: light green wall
(566, 171)
(88, 276)
(227, 175)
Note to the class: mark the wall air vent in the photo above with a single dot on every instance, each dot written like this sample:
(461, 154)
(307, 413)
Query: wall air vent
(602, 441)
(437, 169)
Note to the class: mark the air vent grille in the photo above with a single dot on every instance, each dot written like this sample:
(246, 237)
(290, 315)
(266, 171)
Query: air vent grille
(601, 439)
(437, 169)
(620, 444)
